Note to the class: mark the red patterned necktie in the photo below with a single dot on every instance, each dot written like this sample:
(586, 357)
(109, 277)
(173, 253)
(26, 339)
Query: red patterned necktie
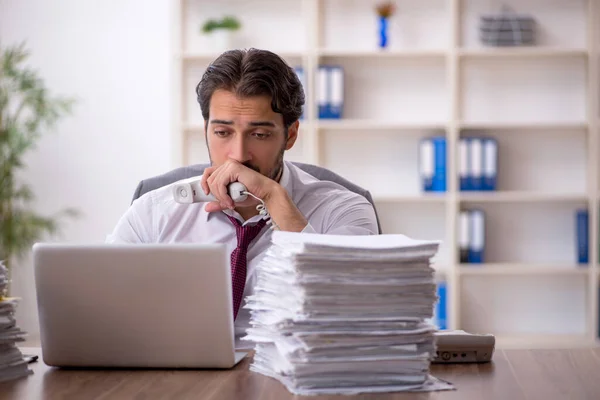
(245, 235)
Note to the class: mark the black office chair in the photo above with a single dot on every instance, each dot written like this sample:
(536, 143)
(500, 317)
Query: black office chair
(320, 173)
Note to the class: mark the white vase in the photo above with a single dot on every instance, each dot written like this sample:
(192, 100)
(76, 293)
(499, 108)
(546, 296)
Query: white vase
(221, 40)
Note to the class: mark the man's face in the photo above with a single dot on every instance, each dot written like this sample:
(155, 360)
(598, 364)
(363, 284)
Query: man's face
(248, 131)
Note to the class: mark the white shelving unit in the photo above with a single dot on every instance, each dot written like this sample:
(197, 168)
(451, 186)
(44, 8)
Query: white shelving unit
(540, 103)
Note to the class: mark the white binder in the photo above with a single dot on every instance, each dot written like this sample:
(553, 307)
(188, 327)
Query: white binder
(336, 80)
(477, 236)
(322, 91)
(426, 163)
(476, 163)
(490, 164)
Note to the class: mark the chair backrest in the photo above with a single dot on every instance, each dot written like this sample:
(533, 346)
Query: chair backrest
(320, 173)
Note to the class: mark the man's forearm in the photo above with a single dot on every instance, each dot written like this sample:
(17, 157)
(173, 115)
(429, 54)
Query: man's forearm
(283, 211)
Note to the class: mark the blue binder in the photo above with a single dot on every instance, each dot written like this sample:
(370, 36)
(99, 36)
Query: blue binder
(464, 222)
(582, 229)
(426, 164)
(490, 164)
(330, 91)
(440, 316)
(477, 237)
(463, 164)
(439, 176)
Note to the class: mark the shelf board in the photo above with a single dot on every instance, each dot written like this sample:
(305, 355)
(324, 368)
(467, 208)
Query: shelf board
(541, 341)
(519, 197)
(365, 124)
(524, 125)
(416, 198)
(520, 52)
(388, 53)
(496, 269)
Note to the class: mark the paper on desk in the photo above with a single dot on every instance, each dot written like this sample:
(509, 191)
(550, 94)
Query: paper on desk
(14, 370)
(12, 363)
(347, 378)
(344, 314)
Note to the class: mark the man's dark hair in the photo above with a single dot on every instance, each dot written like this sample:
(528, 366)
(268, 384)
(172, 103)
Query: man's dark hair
(254, 72)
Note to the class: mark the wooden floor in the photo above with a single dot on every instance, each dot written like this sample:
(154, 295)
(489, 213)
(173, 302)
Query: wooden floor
(513, 375)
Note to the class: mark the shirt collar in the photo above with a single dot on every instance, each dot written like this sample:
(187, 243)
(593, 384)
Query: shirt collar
(284, 181)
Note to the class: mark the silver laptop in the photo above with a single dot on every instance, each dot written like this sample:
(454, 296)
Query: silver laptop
(135, 306)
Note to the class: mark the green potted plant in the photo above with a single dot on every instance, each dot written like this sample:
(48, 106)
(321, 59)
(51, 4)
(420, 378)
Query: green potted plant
(221, 31)
(27, 111)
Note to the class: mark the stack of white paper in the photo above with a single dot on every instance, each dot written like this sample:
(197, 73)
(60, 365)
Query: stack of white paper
(345, 314)
(12, 363)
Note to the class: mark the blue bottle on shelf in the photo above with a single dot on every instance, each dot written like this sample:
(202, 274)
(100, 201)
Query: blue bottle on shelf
(383, 32)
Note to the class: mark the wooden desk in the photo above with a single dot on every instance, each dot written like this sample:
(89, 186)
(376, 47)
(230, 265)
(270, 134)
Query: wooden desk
(513, 375)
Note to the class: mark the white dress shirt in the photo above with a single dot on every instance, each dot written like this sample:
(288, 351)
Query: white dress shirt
(328, 207)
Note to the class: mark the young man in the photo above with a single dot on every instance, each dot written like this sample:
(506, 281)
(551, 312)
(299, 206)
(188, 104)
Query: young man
(251, 102)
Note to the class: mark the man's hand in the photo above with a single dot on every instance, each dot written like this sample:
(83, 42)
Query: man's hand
(280, 206)
(216, 179)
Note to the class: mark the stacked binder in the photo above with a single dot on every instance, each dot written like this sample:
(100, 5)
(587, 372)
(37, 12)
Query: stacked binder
(330, 91)
(345, 314)
(478, 163)
(472, 236)
(12, 363)
(432, 163)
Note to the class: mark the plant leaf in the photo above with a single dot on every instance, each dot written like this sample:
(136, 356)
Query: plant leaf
(27, 111)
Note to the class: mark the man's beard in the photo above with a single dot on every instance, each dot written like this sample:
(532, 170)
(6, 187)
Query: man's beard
(274, 173)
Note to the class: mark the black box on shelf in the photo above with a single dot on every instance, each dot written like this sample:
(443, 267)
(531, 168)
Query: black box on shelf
(507, 29)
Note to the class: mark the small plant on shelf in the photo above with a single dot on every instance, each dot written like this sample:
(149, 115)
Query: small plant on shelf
(385, 11)
(221, 31)
(228, 23)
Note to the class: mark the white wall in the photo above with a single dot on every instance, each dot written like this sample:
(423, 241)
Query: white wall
(116, 58)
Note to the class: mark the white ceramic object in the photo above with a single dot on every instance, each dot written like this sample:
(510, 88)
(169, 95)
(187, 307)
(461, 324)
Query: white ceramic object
(221, 39)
